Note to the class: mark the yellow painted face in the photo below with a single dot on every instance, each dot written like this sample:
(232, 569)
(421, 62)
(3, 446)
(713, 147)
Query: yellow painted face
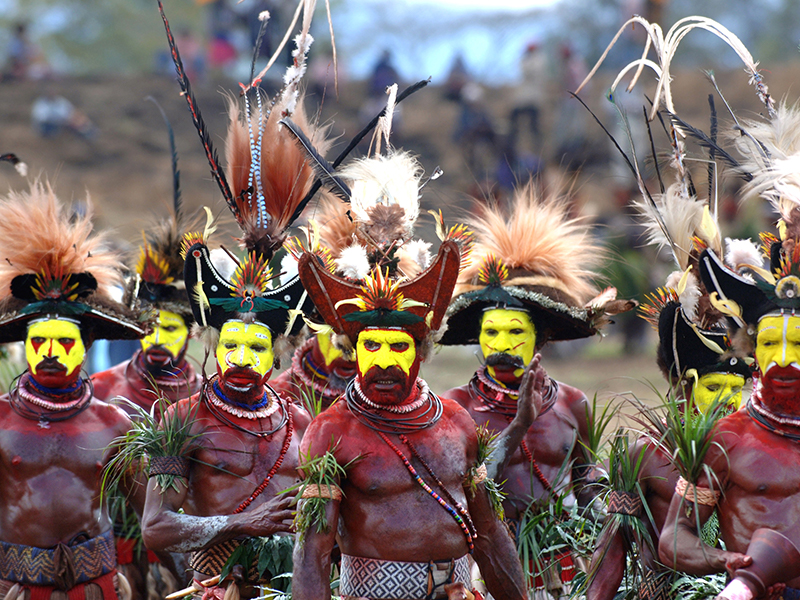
(246, 346)
(385, 348)
(54, 339)
(711, 386)
(508, 332)
(169, 332)
(778, 342)
(328, 350)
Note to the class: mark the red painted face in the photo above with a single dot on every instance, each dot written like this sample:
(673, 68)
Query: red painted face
(55, 352)
(388, 365)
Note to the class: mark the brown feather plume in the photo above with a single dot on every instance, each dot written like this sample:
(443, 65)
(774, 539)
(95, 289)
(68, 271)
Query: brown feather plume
(37, 236)
(286, 176)
(537, 242)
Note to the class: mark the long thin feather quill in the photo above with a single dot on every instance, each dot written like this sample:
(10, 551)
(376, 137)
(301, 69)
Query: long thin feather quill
(177, 200)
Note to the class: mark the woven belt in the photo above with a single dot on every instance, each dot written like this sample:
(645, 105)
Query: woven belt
(395, 580)
(63, 566)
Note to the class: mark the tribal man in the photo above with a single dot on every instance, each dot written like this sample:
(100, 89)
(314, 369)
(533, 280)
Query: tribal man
(528, 283)
(241, 443)
(392, 471)
(55, 437)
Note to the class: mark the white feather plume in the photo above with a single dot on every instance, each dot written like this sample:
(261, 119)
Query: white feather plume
(742, 252)
(388, 180)
(419, 251)
(223, 263)
(690, 296)
(353, 262)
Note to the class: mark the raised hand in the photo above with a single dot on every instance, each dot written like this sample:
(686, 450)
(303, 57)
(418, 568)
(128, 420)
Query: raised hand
(273, 516)
(531, 392)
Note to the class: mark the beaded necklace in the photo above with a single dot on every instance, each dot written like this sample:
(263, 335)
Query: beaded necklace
(399, 409)
(459, 514)
(500, 405)
(19, 396)
(263, 485)
(261, 410)
(219, 412)
(394, 423)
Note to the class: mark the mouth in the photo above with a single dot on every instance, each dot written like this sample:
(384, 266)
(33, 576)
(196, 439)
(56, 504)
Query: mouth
(783, 377)
(241, 380)
(51, 368)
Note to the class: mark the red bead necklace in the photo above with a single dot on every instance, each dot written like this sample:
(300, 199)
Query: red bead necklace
(263, 485)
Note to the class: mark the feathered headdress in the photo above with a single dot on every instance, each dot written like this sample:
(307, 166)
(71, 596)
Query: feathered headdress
(157, 279)
(534, 259)
(51, 264)
(265, 182)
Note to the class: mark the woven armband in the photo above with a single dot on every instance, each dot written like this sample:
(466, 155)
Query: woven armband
(479, 475)
(169, 465)
(330, 492)
(693, 493)
(625, 503)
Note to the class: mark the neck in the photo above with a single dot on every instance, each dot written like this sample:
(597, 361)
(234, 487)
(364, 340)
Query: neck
(70, 391)
(487, 379)
(250, 398)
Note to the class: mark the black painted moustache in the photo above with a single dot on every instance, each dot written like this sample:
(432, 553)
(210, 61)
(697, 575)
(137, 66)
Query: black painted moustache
(501, 359)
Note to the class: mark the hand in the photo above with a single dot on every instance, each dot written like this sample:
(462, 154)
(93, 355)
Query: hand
(273, 516)
(736, 560)
(775, 591)
(531, 391)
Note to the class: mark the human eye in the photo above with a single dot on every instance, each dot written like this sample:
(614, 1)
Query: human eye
(400, 346)
(229, 345)
(490, 332)
(258, 348)
(714, 387)
(517, 332)
(170, 328)
(370, 345)
(38, 340)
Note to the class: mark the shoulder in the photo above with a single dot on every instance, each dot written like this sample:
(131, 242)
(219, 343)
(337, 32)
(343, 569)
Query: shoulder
(300, 415)
(105, 382)
(110, 414)
(327, 430)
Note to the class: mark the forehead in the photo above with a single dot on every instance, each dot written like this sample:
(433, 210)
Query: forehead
(389, 336)
(239, 329)
(776, 322)
(54, 328)
(500, 317)
(166, 317)
(722, 378)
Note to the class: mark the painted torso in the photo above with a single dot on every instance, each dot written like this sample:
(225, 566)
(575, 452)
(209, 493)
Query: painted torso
(130, 382)
(50, 478)
(229, 463)
(551, 440)
(385, 513)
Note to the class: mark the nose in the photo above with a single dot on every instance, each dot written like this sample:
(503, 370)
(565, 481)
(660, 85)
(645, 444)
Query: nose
(241, 356)
(502, 343)
(384, 358)
(50, 349)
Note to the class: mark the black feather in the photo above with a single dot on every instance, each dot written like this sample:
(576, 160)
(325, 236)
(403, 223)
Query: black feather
(712, 154)
(354, 142)
(197, 118)
(653, 151)
(10, 157)
(323, 170)
(177, 201)
(707, 142)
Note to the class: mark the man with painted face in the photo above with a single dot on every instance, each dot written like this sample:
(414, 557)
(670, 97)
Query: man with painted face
(406, 502)
(244, 439)
(702, 369)
(751, 471)
(55, 437)
(528, 283)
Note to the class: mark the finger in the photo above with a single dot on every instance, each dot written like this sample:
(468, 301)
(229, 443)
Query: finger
(283, 515)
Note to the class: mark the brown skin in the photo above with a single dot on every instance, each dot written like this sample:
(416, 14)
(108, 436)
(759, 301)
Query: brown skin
(51, 478)
(123, 380)
(212, 492)
(552, 439)
(759, 473)
(657, 478)
(384, 513)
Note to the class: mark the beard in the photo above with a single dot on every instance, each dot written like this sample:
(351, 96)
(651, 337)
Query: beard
(52, 374)
(157, 359)
(504, 366)
(242, 384)
(389, 386)
(780, 390)
(340, 372)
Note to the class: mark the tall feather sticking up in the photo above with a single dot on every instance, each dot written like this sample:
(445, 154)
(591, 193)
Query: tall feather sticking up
(267, 194)
(538, 237)
(771, 153)
(55, 244)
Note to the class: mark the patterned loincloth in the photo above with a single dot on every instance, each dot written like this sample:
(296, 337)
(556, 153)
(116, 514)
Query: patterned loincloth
(85, 571)
(394, 580)
(656, 585)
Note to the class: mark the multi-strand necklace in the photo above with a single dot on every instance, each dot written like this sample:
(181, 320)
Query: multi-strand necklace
(380, 418)
(54, 410)
(450, 504)
(176, 379)
(508, 409)
(218, 404)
